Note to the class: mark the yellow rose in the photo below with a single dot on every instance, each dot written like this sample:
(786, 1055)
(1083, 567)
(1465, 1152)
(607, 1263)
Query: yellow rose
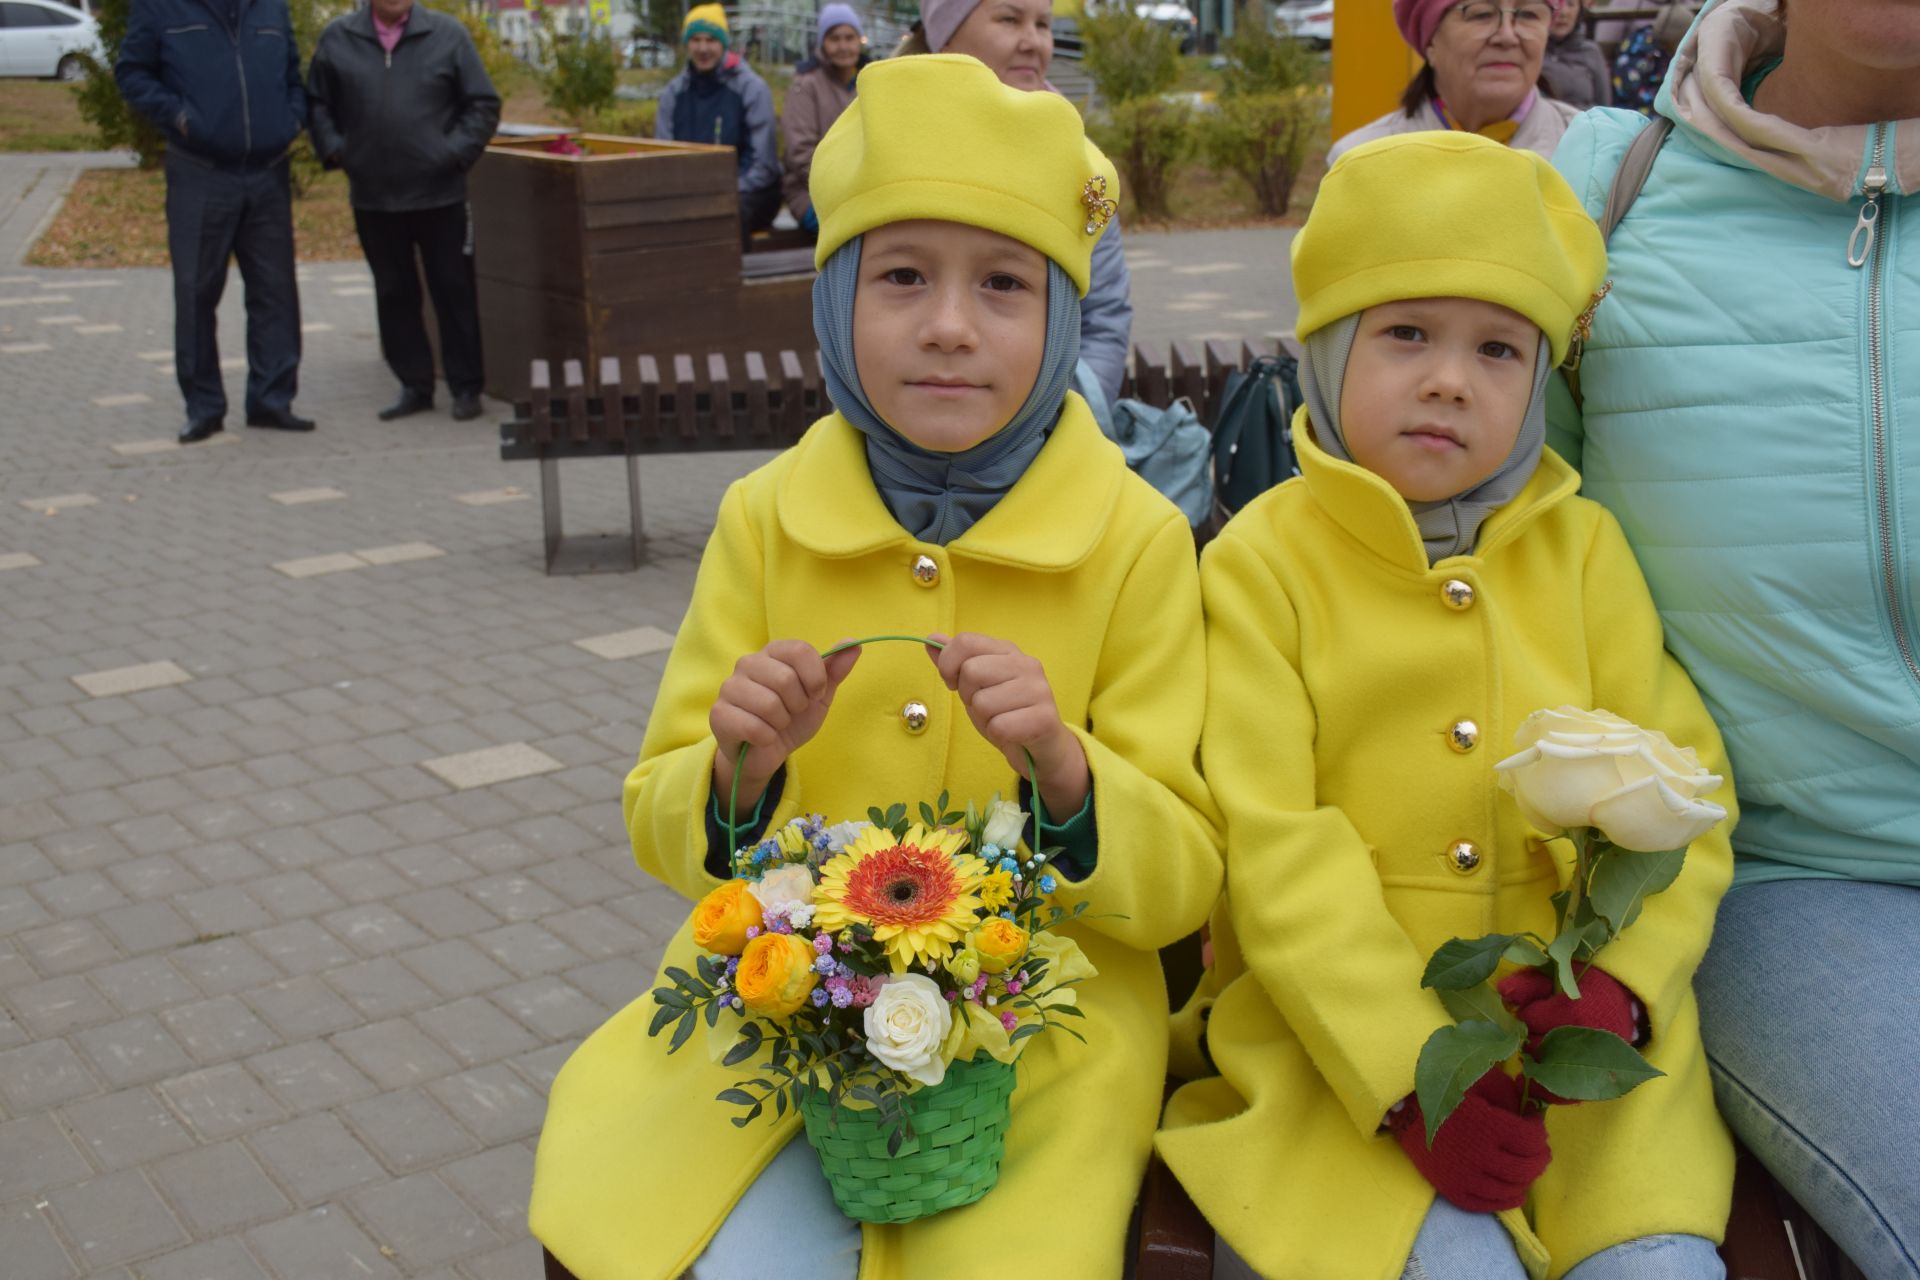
(1000, 943)
(721, 920)
(776, 974)
(964, 965)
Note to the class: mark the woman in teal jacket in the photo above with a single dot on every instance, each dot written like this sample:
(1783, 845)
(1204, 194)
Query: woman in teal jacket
(1751, 413)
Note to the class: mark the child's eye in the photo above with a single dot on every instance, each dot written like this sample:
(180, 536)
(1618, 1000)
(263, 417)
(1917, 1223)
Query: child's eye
(1498, 351)
(1405, 333)
(902, 276)
(1000, 282)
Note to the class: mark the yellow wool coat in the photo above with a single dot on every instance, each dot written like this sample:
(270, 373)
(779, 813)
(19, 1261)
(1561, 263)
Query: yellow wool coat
(1085, 567)
(1338, 663)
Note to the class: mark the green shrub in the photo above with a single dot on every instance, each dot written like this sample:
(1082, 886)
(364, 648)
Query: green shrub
(626, 119)
(1146, 138)
(101, 105)
(1127, 56)
(1264, 138)
(502, 67)
(1260, 62)
(582, 72)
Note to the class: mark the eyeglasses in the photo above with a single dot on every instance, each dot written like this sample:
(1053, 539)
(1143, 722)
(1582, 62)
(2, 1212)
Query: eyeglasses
(1483, 18)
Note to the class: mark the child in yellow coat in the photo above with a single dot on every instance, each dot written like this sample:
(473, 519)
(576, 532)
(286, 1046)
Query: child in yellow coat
(961, 491)
(1377, 629)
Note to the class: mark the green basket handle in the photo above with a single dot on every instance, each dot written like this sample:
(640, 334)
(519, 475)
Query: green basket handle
(740, 759)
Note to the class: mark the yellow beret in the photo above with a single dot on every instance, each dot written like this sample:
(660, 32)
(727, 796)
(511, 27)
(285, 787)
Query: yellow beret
(938, 136)
(1447, 214)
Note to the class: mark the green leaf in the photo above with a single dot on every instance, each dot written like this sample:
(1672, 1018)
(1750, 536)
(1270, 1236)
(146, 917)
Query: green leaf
(682, 1031)
(738, 1097)
(894, 1140)
(928, 816)
(876, 817)
(1451, 1060)
(1465, 962)
(1624, 880)
(1587, 1064)
(713, 1013)
(682, 979)
(1527, 951)
(1560, 901)
(744, 1047)
(1560, 951)
(661, 1017)
(896, 814)
(1479, 1003)
(1022, 1032)
(670, 998)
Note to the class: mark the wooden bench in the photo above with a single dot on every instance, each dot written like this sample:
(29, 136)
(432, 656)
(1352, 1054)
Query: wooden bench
(648, 405)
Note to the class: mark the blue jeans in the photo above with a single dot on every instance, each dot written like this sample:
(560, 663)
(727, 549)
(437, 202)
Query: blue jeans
(1456, 1245)
(787, 1224)
(1812, 1028)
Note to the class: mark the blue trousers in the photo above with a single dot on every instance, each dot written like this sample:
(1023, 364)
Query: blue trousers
(213, 214)
(1812, 1027)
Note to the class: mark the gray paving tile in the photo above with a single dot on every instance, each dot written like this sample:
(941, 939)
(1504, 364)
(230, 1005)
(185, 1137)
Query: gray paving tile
(36, 1156)
(316, 1157)
(224, 965)
(310, 1076)
(115, 1218)
(223, 1259)
(475, 1031)
(132, 1051)
(489, 766)
(424, 1221)
(381, 988)
(218, 1189)
(455, 968)
(302, 1008)
(492, 1102)
(218, 1030)
(60, 1005)
(320, 1244)
(408, 1129)
(127, 1128)
(143, 984)
(122, 680)
(41, 1075)
(28, 1243)
(497, 1182)
(220, 1102)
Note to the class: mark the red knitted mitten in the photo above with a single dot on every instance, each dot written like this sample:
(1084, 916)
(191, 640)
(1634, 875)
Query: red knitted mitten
(1604, 1004)
(1487, 1153)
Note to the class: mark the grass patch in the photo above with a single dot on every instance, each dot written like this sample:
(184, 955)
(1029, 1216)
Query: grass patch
(117, 218)
(42, 115)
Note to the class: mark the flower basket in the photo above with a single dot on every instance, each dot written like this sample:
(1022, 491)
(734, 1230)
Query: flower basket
(960, 1129)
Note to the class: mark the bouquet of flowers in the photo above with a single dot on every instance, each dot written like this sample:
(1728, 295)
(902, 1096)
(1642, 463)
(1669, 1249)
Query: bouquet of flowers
(1630, 802)
(883, 975)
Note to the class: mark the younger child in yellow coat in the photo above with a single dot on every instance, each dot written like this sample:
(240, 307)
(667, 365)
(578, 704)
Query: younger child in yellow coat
(961, 491)
(1377, 630)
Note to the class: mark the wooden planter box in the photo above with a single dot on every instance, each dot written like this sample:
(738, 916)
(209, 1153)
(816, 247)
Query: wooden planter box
(633, 247)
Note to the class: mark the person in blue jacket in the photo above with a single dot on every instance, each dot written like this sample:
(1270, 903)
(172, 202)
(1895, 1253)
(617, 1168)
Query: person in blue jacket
(221, 79)
(1750, 410)
(718, 98)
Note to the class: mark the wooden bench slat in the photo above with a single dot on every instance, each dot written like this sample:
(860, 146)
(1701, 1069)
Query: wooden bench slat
(720, 396)
(685, 411)
(576, 391)
(540, 384)
(757, 391)
(649, 397)
(793, 409)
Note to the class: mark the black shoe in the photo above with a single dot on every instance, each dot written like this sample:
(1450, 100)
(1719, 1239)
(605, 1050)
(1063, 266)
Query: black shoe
(279, 420)
(412, 400)
(198, 429)
(466, 407)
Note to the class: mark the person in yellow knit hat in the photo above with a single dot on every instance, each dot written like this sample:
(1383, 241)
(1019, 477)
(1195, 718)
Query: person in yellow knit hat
(959, 491)
(717, 98)
(1377, 630)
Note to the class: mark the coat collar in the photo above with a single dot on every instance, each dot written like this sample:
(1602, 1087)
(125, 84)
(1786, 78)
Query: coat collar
(420, 21)
(1367, 507)
(1050, 520)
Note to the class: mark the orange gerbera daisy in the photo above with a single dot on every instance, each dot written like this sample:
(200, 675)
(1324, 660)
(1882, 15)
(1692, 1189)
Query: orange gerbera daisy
(919, 894)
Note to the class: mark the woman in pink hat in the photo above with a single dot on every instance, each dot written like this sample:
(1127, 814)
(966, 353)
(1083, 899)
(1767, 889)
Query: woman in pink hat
(1482, 74)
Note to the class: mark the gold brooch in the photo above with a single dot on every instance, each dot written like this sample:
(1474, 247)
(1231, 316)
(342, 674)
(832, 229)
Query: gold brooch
(1583, 329)
(1100, 210)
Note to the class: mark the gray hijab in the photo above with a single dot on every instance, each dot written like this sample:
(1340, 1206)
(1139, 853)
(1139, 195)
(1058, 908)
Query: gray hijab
(939, 496)
(1448, 526)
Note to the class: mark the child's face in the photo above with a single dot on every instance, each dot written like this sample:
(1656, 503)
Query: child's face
(1435, 392)
(949, 324)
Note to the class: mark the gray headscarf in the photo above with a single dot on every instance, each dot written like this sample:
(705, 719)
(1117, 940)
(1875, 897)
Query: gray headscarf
(1449, 526)
(939, 496)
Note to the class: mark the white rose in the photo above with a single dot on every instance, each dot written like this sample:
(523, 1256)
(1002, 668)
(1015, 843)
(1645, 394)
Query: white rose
(842, 834)
(1594, 769)
(1004, 824)
(783, 888)
(906, 1025)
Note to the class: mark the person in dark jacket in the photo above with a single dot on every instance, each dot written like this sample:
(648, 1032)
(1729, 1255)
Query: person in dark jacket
(718, 98)
(221, 79)
(1574, 69)
(399, 99)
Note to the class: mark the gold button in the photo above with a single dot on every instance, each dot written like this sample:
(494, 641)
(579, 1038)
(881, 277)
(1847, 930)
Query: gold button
(926, 570)
(914, 715)
(1463, 736)
(1457, 595)
(1463, 856)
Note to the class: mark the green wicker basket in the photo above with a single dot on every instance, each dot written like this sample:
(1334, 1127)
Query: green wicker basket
(960, 1129)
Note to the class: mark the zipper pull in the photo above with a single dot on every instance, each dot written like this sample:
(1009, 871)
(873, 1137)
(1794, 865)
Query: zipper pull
(1860, 243)
(389, 59)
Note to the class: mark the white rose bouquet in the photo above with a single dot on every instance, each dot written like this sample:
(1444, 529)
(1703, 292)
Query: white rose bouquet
(1630, 802)
(874, 968)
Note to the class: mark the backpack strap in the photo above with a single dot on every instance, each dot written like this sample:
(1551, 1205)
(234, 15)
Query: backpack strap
(1628, 180)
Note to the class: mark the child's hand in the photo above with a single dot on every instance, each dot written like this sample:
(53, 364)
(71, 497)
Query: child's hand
(775, 701)
(1487, 1153)
(1007, 697)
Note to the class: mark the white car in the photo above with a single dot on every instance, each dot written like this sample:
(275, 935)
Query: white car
(1309, 20)
(42, 38)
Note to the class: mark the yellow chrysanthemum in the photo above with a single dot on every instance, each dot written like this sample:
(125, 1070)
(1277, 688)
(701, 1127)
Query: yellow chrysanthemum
(790, 839)
(996, 889)
(919, 894)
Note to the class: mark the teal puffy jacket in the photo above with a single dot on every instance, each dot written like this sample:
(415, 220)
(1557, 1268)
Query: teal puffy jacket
(1752, 416)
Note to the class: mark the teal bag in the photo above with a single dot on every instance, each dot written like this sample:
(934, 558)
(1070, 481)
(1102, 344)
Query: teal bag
(1168, 448)
(1253, 437)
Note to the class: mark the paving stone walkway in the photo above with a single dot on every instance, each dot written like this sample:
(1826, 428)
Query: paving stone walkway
(311, 863)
